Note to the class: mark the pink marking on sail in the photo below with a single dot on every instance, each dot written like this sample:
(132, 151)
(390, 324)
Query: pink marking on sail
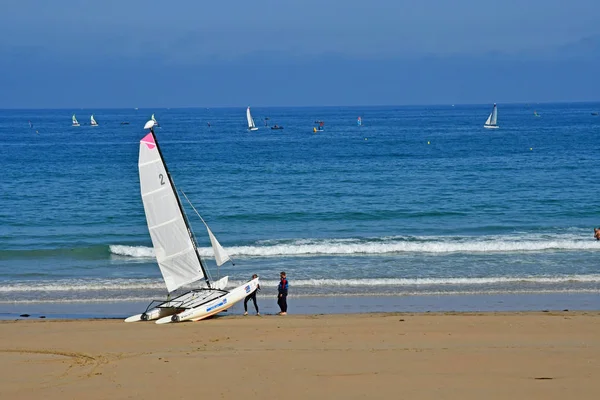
(149, 141)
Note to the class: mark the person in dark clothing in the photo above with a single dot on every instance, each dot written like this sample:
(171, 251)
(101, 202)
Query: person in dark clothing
(253, 297)
(282, 292)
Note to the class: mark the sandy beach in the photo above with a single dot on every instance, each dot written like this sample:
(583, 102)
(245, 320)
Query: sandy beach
(552, 355)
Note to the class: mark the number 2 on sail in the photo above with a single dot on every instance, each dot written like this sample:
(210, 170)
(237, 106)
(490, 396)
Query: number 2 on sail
(162, 179)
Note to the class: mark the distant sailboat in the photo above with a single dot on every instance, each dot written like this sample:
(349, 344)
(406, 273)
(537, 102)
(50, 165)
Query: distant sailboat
(492, 121)
(359, 121)
(535, 113)
(93, 121)
(75, 122)
(155, 121)
(251, 126)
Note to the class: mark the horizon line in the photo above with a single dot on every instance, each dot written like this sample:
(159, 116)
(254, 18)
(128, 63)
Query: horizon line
(304, 106)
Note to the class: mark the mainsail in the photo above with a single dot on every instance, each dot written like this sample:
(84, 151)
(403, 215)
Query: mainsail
(93, 121)
(75, 122)
(173, 244)
(250, 120)
(155, 121)
(492, 121)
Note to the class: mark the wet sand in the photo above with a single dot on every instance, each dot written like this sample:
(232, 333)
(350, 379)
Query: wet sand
(553, 355)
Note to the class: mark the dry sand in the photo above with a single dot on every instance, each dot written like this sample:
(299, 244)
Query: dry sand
(374, 356)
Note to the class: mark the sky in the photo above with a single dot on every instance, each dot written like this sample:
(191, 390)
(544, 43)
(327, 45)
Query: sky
(187, 53)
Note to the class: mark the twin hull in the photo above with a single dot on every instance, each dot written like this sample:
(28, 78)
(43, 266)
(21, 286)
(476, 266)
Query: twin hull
(173, 312)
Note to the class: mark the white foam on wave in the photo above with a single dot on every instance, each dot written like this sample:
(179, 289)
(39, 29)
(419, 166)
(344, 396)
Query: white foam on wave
(436, 281)
(370, 294)
(392, 245)
(158, 285)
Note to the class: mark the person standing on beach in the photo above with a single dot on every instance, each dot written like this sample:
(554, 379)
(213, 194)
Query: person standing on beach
(282, 292)
(253, 297)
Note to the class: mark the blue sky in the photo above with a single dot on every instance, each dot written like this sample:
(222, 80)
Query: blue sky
(312, 52)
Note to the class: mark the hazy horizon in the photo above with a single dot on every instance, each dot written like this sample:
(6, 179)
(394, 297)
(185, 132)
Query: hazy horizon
(300, 53)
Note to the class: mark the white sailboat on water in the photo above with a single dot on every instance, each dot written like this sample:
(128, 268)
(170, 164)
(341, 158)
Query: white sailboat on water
(251, 126)
(75, 122)
(93, 121)
(155, 121)
(176, 249)
(492, 121)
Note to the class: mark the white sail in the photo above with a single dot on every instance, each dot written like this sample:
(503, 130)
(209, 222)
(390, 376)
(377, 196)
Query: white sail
(221, 256)
(492, 121)
(154, 119)
(251, 125)
(489, 120)
(173, 246)
(75, 122)
(93, 121)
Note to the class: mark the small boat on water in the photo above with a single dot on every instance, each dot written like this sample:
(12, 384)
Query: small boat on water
(93, 121)
(75, 122)
(155, 121)
(594, 113)
(124, 123)
(277, 127)
(251, 126)
(535, 113)
(492, 121)
(359, 121)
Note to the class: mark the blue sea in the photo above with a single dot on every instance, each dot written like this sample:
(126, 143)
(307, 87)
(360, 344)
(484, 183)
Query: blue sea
(419, 205)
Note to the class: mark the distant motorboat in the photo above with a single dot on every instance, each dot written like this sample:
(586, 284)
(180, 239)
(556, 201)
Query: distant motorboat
(492, 121)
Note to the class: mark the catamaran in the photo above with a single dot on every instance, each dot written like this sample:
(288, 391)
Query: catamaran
(251, 126)
(176, 248)
(492, 121)
(75, 122)
(155, 121)
(93, 121)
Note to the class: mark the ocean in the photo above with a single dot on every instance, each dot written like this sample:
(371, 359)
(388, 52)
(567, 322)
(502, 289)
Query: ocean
(420, 202)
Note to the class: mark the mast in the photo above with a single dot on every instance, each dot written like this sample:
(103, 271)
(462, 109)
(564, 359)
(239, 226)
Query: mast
(185, 220)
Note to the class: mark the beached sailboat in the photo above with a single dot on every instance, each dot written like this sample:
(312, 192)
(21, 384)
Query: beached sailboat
(75, 122)
(155, 121)
(492, 121)
(176, 249)
(251, 126)
(93, 121)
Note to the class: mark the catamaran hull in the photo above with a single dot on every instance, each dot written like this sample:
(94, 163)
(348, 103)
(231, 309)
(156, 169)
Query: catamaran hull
(252, 129)
(491, 126)
(155, 313)
(213, 307)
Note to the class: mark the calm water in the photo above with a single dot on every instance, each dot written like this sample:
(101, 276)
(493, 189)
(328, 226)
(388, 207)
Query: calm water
(417, 201)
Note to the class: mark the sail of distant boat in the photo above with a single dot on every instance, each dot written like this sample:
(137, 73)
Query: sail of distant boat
(155, 121)
(359, 121)
(535, 113)
(492, 121)
(93, 121)
(75, 122)
(251, 125)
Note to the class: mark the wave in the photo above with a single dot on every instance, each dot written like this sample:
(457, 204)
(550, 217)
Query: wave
(390, 245)
(156, 284)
